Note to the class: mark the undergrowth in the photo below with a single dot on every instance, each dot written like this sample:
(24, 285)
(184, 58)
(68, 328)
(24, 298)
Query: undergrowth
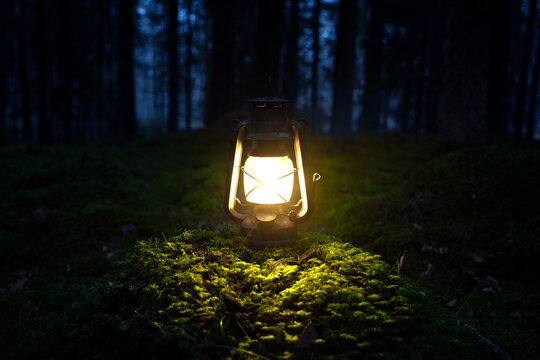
(460, 228)
(205, 294)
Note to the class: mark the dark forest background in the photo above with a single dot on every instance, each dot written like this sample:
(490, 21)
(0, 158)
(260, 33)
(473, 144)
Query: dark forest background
(449, 210)
(80, 70)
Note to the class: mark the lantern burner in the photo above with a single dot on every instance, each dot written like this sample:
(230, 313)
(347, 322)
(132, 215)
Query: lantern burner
(266, 228)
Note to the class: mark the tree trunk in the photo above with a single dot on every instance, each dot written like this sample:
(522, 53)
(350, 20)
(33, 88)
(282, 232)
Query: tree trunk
(9, 21)
(25, 92)
(64, 68)
(268, 48)
(126, 123)
(219, 98)
(100, 84)
(315, 64)
(418, 113)
(534, 90)
(189, 61)
(84, 64)
(290, 81)
(524, 71)
(463, 96)
(126, 120)
(172, 51)
(371, 104)
(498, 103)
(436, 66)
(344, 68)
(405, 106)
(45, 128)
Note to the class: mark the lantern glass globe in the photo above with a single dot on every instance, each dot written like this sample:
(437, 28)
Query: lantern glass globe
(268, 180)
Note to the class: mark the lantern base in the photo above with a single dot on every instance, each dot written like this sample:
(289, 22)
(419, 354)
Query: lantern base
(279, 232)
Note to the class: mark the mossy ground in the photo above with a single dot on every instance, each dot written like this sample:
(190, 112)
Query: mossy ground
(76, 275)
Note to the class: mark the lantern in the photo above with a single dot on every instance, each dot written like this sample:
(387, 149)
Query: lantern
(268, 191)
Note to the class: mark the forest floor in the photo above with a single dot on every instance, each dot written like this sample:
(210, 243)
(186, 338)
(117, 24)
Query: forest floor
(122, 249)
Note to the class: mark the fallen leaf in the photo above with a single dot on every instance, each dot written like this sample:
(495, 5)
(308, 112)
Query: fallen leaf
(529, 314)
(30, 306)
(39, 210)
(212, 257)
(515, 315)
(275, 266)
(451, 303)
(126, 229)
(308, 254)
(20, 282)
(233, 304)
(401, 262)
(435, 249)
(490, 284)
(429, 270)
(477, 258)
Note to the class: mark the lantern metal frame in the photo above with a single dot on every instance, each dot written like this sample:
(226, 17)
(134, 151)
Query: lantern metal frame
(269, 225)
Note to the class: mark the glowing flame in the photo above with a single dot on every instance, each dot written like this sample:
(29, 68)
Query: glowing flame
(268, 180)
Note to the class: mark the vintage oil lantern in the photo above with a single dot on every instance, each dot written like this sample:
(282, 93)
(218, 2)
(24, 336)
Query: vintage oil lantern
(268, 191)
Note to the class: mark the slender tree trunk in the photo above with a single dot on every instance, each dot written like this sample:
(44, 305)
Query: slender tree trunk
(172, 50)
(126, 123)
(155, 80)
(371, 104)
(189, 60)
(436, 66)
(315, 64)
(344, 64)
(219, 98)
(100, 67)
(23, 66)
(385, 108)
(534, 91)
(421, 69)
(84, 65)
(7, 21)
(45, 128)
(524, 71)
(405, 106)
(64, 68)
(291, 62)
(497, 94)
(268, 48)
(462, 119)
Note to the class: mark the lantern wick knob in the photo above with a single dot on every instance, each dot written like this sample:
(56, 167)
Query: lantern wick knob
(293, 215)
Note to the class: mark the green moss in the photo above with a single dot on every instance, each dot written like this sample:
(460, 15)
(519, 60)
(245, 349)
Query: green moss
(170, 296)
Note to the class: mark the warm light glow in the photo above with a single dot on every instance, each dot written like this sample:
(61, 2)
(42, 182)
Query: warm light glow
(268, 180)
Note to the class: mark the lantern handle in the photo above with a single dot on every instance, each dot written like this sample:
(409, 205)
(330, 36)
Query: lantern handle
(234, 173)
(306, 189)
